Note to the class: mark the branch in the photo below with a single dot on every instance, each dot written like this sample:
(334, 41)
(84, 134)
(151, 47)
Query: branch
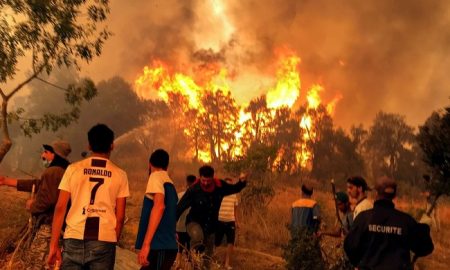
(51, 84)
(18, 87)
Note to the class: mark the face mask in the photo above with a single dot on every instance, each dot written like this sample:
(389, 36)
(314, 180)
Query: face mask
(46, 163)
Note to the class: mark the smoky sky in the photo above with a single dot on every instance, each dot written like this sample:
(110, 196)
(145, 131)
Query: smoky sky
(379, 55)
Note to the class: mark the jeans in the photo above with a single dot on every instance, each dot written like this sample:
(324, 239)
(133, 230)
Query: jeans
(201, 243)
(84, 255)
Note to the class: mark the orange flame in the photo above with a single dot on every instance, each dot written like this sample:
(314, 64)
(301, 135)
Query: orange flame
(158, 82)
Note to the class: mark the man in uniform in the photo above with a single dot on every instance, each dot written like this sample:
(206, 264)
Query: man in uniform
(305, 211)
(382, 237)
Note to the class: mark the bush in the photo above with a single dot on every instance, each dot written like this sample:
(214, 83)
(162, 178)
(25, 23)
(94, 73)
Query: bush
(303, 251)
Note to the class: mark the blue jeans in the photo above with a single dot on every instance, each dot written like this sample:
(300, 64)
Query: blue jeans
(92, 255)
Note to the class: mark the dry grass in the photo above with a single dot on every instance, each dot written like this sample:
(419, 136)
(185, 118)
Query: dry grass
(264, 230)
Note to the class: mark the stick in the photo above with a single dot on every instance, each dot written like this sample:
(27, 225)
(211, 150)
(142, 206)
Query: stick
(333, 189)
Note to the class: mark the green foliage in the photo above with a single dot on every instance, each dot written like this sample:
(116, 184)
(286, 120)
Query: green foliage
(51, 31)
(303, 252)
(434, 139)
(75, 94)
(259, 191)
(389, 145)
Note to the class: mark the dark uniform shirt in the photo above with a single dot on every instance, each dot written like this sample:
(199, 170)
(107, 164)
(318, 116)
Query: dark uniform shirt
(205, 205)
(382, 238)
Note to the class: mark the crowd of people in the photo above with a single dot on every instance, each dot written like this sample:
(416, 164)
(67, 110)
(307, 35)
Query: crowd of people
(375, 235)
(82, 205)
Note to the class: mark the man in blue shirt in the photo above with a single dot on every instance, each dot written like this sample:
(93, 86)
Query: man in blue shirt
(157, 228)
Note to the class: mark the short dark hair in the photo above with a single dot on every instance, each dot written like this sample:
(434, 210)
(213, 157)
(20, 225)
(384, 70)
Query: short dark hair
(190, 179)
(307, 189)
(159, 159)
(358, 181)
(100, 138)
(206, 171)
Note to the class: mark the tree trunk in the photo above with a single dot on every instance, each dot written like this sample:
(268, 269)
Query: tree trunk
(6, 141)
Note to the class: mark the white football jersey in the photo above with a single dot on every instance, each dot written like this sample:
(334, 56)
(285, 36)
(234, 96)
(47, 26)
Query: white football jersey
(94, 185)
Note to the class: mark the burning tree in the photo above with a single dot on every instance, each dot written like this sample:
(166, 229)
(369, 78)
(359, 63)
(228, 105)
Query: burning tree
(52, 35)
(219, 129)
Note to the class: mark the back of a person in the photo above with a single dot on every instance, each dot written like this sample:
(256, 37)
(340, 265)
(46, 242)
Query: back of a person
(95, 184)
(226, 211)
(165, 234)
(386, 239)
(303, 214)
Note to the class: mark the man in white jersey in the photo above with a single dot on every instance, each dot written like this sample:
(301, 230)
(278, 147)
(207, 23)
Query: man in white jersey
(97, 189)
(227, 224)
(356, 189)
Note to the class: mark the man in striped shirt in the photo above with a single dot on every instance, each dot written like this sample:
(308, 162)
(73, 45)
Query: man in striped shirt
(227, 224)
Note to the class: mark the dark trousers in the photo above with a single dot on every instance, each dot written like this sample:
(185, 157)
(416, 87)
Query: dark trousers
(160, 259)
(92, 255)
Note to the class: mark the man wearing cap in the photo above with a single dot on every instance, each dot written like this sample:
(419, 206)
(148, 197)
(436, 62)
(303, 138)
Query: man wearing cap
(356, 189)
(305, 211)
(54, 159)
(343, 205)
(382, 237)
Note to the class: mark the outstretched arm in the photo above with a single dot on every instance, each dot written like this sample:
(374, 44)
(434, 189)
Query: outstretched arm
(228, 189)
(184, 203)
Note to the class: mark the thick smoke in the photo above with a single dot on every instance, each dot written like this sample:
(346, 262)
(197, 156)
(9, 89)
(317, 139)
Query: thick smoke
(380, 55)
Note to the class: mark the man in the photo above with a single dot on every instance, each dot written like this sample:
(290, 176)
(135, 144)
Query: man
(343, 205)
(97, 189)
(183, 236)
(156, 238)
(356, 189)
(382, 237)
(204, 197)
(227, 224)
(305, 212)
(54, 159)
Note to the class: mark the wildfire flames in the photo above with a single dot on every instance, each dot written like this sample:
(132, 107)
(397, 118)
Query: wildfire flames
(212, 82)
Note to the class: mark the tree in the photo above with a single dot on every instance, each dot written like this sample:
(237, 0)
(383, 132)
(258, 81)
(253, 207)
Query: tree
(219, 121)
(434, 139)
(53, 34)
(389, 142)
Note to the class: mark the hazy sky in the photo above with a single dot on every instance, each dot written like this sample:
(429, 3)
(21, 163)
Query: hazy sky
(380, 54)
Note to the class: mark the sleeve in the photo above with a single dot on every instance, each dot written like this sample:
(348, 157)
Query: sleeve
(48, 192)
(184, 203)
(228, 189)
(124, 190)
(421, 243)
(236, 200)
(154, 185)
(65, 181)
(353, 241)
(26, 185)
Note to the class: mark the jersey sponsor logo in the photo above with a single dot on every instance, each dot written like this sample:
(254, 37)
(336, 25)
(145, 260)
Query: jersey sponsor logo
(97, 172)
(385, 229)
(87, 210)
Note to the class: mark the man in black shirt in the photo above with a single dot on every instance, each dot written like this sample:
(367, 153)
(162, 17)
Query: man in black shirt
(205, 197)
(382, 237)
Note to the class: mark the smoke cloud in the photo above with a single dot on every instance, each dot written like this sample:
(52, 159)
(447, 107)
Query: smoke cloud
(380, 55)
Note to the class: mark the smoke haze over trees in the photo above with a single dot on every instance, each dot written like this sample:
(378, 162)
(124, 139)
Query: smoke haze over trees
(381, 55)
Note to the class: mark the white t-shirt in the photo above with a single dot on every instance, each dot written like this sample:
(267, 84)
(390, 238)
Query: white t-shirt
(363, 205)
(226, 212)
(94, 185)
(156, 182)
